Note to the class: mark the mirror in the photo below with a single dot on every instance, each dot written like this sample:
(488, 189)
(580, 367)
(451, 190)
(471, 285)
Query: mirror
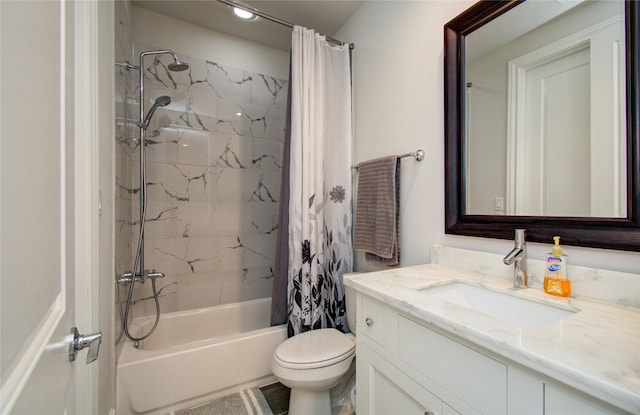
(481, 198)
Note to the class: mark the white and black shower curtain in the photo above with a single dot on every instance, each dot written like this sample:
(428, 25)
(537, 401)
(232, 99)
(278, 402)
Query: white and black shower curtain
(320, 218)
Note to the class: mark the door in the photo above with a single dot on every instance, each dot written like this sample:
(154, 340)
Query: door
(37, 211)
(565, 143)
(557, 127)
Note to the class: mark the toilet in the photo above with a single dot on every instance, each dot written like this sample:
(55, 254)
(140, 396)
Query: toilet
(312, 363)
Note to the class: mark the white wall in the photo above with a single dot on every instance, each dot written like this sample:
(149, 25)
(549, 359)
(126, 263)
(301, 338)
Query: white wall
(155, 29)
(398, 100)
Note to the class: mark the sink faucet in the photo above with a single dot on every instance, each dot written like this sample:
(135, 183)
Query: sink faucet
(518, 255)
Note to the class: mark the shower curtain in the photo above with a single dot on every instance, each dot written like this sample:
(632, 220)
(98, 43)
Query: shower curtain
(319, 184)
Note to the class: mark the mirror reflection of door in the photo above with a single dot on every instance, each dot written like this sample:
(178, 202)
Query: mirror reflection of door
(504, 173)
(564, 150)
(554, 179)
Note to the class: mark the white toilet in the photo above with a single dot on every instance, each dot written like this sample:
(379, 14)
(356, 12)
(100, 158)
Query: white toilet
(312, 363)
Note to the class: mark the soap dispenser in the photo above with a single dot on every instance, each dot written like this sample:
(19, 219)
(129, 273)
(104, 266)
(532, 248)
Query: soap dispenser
(556, 281)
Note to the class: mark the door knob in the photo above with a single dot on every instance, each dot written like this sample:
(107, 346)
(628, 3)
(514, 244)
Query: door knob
(80, 341)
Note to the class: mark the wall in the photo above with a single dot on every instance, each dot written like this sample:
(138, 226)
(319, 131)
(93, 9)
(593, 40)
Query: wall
(398, 104)
(125, 144)
(153, 28)
(103, 292)
(213, 164)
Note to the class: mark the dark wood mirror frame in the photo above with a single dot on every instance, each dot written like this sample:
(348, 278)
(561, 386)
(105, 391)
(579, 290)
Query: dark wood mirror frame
(610, 233)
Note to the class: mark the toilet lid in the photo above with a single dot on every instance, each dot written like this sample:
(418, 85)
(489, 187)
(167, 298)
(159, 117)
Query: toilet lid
(313, 349)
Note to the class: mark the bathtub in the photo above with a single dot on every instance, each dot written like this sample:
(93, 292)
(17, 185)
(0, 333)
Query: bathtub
(197, 355)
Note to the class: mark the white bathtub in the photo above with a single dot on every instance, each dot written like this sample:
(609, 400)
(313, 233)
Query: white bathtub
(197, 355)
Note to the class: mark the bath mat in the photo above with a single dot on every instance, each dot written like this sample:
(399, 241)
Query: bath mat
(246, 402)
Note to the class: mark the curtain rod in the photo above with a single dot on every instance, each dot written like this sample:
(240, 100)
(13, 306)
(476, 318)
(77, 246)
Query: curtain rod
(257, 12)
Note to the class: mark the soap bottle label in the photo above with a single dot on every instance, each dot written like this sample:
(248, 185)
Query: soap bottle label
(554, 267)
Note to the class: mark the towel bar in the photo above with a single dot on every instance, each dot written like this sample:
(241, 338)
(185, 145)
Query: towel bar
(418, 155)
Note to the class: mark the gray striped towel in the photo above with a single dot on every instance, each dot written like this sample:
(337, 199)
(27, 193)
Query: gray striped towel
(377, 216)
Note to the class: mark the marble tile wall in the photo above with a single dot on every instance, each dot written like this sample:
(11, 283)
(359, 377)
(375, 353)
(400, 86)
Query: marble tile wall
(214, 157)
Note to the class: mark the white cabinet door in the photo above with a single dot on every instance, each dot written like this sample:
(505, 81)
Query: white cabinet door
(560, 402)
(447, 410)
(384, 390)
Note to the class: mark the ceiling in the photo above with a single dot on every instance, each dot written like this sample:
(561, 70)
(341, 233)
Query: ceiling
(325, 16)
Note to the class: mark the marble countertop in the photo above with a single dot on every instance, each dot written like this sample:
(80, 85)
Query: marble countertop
(595, 350)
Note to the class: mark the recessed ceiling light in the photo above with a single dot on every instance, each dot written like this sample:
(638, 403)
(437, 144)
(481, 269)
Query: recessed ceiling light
(243, 14)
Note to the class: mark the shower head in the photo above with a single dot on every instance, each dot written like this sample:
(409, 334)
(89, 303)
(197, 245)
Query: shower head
(178, 66)
(161, 101)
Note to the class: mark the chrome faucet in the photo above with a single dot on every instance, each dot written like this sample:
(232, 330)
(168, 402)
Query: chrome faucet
(518, 255)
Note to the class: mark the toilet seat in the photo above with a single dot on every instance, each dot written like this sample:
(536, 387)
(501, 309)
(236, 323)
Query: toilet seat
(315, 349)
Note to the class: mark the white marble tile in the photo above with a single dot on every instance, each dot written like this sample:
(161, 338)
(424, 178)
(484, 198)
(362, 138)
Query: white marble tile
(196, 219)
(231, 150)
(241, 185)
(162, 147)
(144, 303)
(162, 220)
(229, 83)
(213, 179)
(194, 146)
(179, 182)
(267, 154)
(261, 218)
(267, 90)
(185, 255)
(259, 250)
(250, 119)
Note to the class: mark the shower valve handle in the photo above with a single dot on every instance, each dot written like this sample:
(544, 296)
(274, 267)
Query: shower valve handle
(155, 274)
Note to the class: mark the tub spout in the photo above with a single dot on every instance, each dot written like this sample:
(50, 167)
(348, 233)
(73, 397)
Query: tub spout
(518, 257)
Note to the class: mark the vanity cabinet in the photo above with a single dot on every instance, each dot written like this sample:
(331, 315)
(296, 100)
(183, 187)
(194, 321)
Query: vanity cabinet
(404, 367)
(407, 367)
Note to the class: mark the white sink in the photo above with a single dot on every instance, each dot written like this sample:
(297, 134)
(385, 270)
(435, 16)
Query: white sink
(517, 310)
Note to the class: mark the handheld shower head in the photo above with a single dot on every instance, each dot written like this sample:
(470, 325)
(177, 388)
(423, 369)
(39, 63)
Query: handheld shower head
(161, 101)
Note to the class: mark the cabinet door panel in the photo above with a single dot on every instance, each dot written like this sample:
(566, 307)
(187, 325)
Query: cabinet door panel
(559, 402)
(471, 376)
(388, 398)
(385, 390)
(447, 410)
